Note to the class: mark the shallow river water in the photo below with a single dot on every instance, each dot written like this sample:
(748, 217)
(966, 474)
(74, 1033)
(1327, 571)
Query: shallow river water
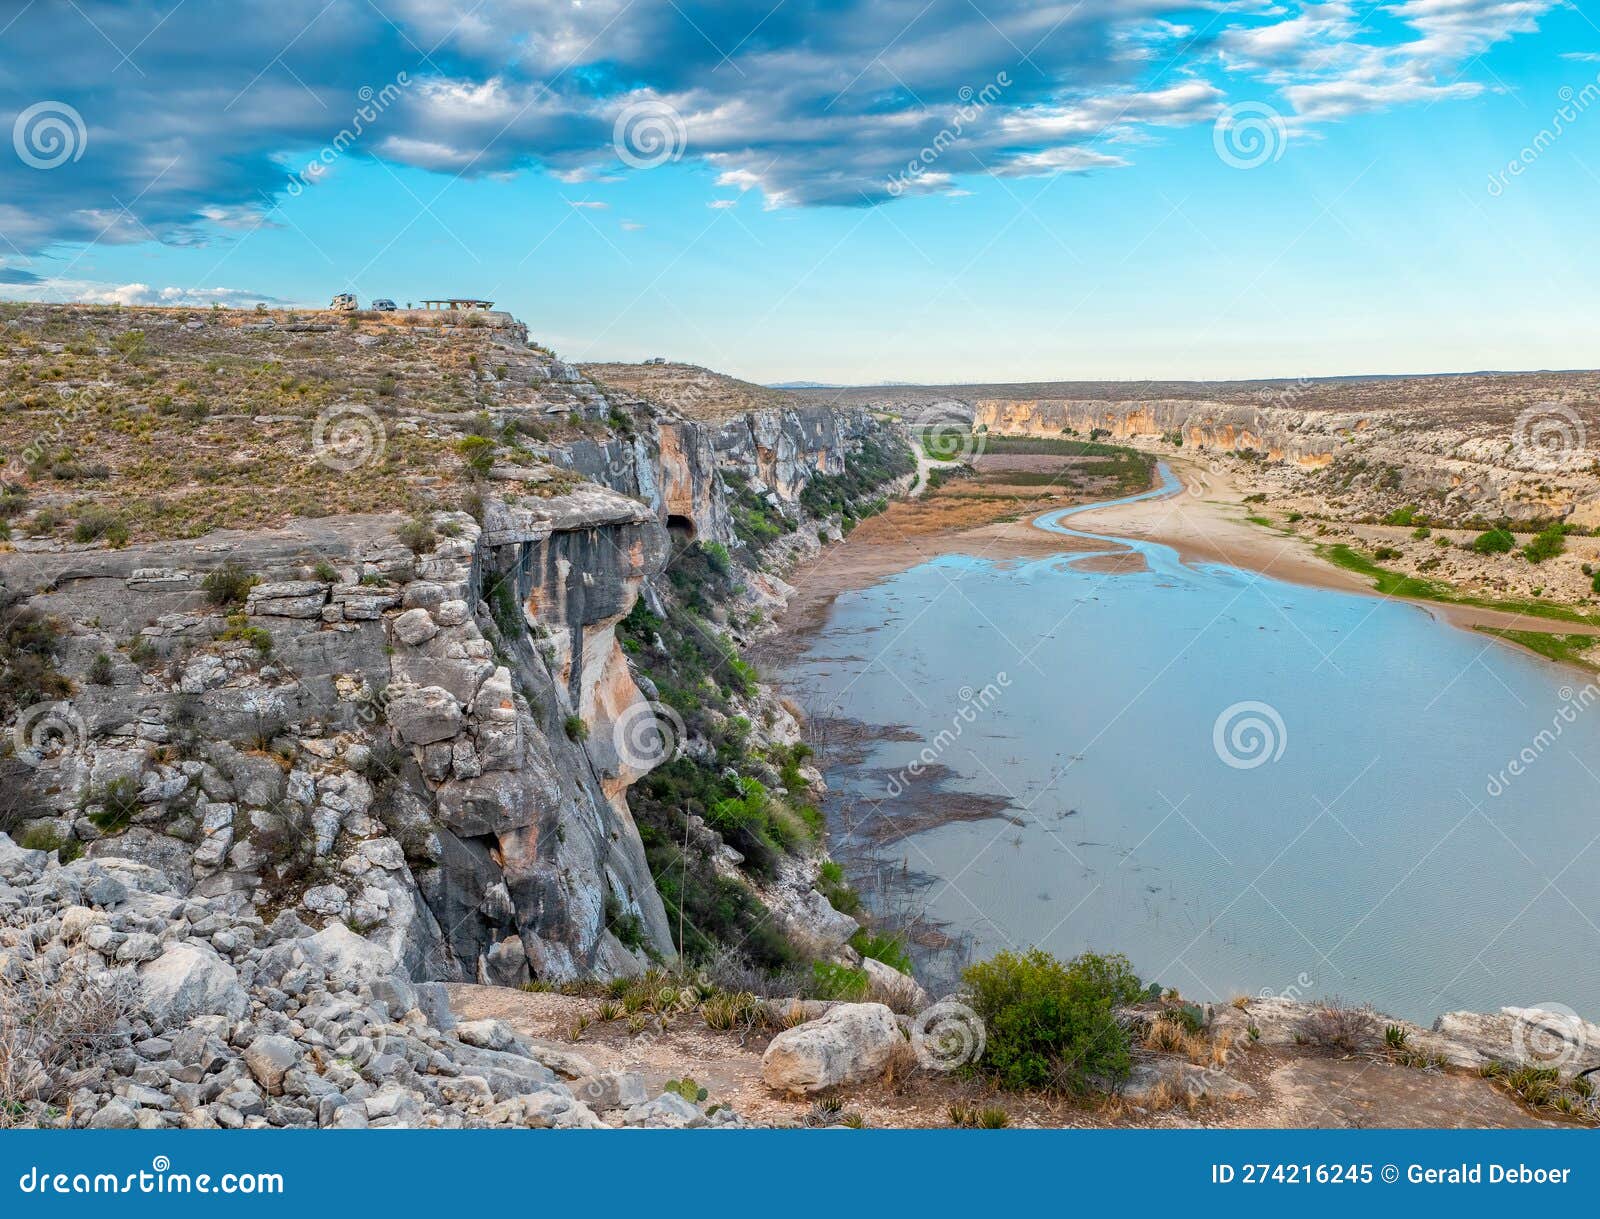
(1245, 785)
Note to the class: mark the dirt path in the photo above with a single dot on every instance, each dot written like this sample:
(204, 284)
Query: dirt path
(1294, 1088)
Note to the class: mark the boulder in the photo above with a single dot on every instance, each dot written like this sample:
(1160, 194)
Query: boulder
(853, 1042)
(270, 1057)
(668, 1111)
(189, 980)
(611, 1090)
(415, 626)
(887, 985)
(343, 954)
(425, 716)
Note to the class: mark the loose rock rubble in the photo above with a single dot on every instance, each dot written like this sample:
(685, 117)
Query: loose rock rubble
(213, 1018)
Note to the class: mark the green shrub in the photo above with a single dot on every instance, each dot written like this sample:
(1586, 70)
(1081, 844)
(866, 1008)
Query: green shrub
(477, 452)
(889, 949)
(1052, 1024)
(833, 886)
(100, 671)
(95, 523)
(239, 630)
(229, 584)
(417, 535)
(326, 572)
(625, 925)
(830, 981)
(1384, 553)
(1546, 544)
(119, 800)
(575, 728)
(1402, 516)
(1495, 541)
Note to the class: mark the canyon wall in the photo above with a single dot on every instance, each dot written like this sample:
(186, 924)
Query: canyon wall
(1477, 461)
(418, 740)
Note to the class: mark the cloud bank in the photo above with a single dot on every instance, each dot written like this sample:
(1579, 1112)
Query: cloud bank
(176, 122)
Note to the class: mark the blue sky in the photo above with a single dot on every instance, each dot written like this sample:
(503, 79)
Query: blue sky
(1111, 189)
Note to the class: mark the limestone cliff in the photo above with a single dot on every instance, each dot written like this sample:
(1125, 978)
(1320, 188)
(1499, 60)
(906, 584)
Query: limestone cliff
(421, 738)
(1488, 452)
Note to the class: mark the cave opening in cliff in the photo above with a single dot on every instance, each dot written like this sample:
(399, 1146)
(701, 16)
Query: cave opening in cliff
(681, 528)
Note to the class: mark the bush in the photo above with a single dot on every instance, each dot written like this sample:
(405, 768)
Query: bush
(119, 801)
(28, 671)
(1053, 1024)
(416, 536)
(229, 584)
(56, 1026)
(1335, 1025)
(830, 981)
(95, 523)
(1547, 544)
(100, 670)
(477, 452)
(889, 949)
(833, 886)
(1495, 541)
(576, 729)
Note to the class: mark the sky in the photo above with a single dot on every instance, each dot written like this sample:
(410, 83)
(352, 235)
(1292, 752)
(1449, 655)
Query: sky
(836, 190)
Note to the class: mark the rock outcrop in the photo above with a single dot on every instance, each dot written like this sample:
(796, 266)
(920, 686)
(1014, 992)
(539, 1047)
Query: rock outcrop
(424, 741)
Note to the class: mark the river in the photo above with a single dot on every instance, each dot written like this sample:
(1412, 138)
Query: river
(1243, 784)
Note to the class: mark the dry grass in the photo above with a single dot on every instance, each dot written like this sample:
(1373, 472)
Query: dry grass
(1335, 1025)
(181, 431)
(53, 1026)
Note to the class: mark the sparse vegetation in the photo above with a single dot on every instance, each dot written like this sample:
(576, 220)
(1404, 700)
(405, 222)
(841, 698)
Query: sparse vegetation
(228, 585)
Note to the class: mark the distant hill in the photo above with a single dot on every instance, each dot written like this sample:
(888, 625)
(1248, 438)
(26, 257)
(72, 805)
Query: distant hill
(697, 392)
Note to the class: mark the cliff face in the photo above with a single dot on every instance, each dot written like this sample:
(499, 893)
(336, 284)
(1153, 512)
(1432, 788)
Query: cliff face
(1481, 460)
(424, 741)
(1203, 425)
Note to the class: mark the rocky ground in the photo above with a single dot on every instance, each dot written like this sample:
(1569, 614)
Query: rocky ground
(126, 1005)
